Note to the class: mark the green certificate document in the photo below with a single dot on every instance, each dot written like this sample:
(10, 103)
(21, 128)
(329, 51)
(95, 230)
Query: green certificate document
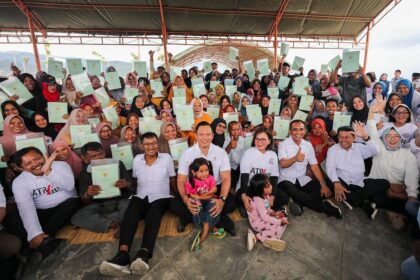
(297, 63)
(207, 66)
(299, 115)
(141, 68)
(150, 125)
(306, 102)
(55, 68)
(102, 96)
(86, 138)
(281, 127)
(274, 106)
(273, 92)
(284, 49)
(350, 61)
(113, 80)
(228, 82)
(299, 86)
(283, 82)
(199, 89)
(249, 67)
(82, 83)
(196, 81)
(76, 131)
(233, 53)
(74, 66)
(3, 164)
(230, 117)
(111, 115)
(177, 147)
(341, 119)
(105, 176)
(174, 71)
(178, 100)
(130, 93)
(148, 112)
(254, 114)
(213, 85)
(31, 140)
(333, 62)
(56, 111)
(248, 140)
(180, 91)
(12, 86)
(94, 121)
(324, 68)
(157, 87)
(213, 111)
(94, 66)
(262, 66)
(230, 90)
(184, 116)
(123, 152)
(1, 122)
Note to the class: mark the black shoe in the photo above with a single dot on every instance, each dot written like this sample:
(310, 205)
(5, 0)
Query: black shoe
(370, 210)
(295, 208)
(180, 225)
(243, 212)
(227, 224)
(332, 210)
(140, 265)
(117, 266)
(48, 246)
(284, 211)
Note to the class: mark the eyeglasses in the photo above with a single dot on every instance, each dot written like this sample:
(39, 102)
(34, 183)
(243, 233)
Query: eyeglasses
(150, 144)
(261, 139)
(403, 113)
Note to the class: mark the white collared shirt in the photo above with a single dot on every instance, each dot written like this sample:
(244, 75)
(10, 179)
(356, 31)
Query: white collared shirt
(42, 192)
(236, 154)
(217, 156)
(153, 181)
(2, 198)
(297, 171)
(349, 165)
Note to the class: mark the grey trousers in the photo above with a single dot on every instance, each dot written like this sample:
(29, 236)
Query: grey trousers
(98, 216)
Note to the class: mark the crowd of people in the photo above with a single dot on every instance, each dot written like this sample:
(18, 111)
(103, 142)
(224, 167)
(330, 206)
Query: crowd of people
(232, 159)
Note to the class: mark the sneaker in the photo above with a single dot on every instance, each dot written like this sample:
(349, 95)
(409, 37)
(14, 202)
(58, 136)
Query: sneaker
(180, 225)
(347, 204)
(48, 246)
(251, 240)
(140, 265)
(332, 210)
(370, 210)
(275, 244)
(117, 266)
(295, 208)
(243, 212)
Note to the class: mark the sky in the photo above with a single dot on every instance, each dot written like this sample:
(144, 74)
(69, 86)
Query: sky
(394, 44)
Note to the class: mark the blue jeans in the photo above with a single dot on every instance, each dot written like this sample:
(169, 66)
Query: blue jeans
(412, 208)
(410, 268)
(204, 215)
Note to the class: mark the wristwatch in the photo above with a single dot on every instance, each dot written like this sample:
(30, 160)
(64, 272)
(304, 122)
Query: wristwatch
(223, 198)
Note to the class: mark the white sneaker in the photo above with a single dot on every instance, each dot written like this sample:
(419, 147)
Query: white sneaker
(139, 267)
(251, 240)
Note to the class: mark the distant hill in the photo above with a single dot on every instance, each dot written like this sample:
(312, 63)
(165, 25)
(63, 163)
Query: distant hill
(6, 58)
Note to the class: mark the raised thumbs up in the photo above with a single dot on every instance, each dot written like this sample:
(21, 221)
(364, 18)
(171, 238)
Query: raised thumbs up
(300, 156)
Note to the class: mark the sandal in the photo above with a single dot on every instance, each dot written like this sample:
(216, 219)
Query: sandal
(195, 246)
(219, 234)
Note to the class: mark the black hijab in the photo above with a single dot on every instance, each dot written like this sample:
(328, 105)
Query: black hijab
(218, 139)
(49, 130)
(38, 103)
(359, 115)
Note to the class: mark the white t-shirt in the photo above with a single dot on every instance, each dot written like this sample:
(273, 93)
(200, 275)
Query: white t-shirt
(236, 154)
(254, 162)
(153, 181)
(42, 192)
(216, 155)
(297, 171)
(2, 198)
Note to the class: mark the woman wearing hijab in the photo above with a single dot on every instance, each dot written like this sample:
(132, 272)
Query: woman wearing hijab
(64, 153)
(319, 109)
(137, 105)
(219, 90)
(41, 124)
(179, 83)
(359, 109)
(165, 104)
(131, 80)
(73, 96)
(411, 98)
(199, 116)
(49, 90)
(129, 135)
(218, 126)
(398, 166)
(255, 91)
(393, 100)
(118, 93)
(264, 104)
(13, 126)
(38, 102)
(104, 131)
(245, 101)
(77, 117)
(168, 132)
(319, 139)
(166, 116)
(240, 85)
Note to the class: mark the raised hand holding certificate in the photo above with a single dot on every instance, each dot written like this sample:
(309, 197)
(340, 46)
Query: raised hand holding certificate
(213, 85)
(82, 83)
(157, 87)
(341, 119)
(207, 66)
(281, 127)
(333, 62)
(76, 131)
(149, 125)
(55, 68)
(113, 80)
(213, 111)
(123, 152)
(254, 114)
(299, 86)
(111, 115)
(56, 112)
(230, 90)
(105, 173)
(273, 92)
(233, 53)
(324, 68)
(283, 82)
(350, 61)
(184, 116)
(297, 63)
(249, 67)
(306, 102)
(13, 86)
(141, 68)
(299, 115)
(274, 106)
(102, 96)
(36, 140)
(180, 91)
(86, 138)
(177, 147)
(130, 93)
(178, 100)
(148, 112)
(262, 66)
(230, 117)
(74, 65)
(199, 89)
(284, 49)
(94, 66)
(174, 71)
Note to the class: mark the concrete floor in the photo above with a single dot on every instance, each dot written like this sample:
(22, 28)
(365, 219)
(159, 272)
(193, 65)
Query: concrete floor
(317, 248)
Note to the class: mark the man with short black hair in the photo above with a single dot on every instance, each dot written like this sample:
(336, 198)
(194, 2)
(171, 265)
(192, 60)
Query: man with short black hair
(395, 80)
(209, 74)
